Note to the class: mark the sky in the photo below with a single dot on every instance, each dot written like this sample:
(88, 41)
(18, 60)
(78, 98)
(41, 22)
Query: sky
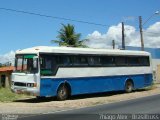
(19, 30)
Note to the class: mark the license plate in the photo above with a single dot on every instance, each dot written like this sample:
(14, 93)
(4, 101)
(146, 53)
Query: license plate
(19, 91)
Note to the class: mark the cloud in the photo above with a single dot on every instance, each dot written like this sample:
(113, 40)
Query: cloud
(8, 57)
(132, 37)
(152, 35)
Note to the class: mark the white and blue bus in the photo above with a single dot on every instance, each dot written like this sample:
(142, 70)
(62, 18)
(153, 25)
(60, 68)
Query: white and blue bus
(63, 71)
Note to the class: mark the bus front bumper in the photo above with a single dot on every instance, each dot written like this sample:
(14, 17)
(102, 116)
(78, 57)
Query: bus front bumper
(25, 90)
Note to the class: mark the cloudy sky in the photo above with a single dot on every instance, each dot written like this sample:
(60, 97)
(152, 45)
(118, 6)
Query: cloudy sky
(132, 37)
(8, 57)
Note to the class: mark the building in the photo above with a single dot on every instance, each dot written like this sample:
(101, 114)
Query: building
(155, 53)
(5, 76)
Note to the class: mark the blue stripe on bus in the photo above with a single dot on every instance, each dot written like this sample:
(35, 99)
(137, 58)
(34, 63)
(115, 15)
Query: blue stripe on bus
(49, 86)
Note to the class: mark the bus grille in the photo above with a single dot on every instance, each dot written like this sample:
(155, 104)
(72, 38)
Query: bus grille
(19, 84)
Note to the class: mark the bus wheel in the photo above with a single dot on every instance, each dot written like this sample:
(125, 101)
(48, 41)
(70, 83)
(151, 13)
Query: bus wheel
(40, 97)
(62, 93)
(129, 86)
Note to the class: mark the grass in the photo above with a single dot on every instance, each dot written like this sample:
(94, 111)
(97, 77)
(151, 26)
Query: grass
(7, 96)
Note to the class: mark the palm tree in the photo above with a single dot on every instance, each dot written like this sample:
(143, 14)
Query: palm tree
(68, 37)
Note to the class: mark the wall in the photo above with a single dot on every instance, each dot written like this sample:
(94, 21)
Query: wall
(158, 74)
(7, 78)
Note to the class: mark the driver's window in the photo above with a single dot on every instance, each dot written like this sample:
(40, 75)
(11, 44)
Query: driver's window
(35, 65)
(30, 64)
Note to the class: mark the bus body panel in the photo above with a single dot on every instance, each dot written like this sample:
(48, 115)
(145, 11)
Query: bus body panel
(68, 72)
(87, 85)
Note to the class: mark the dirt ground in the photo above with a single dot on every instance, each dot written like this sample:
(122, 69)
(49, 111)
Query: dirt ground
(49, 105)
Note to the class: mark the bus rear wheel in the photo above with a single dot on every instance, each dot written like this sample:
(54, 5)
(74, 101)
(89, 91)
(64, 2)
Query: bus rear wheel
(40, 97)
(62, 93)
(129, 86)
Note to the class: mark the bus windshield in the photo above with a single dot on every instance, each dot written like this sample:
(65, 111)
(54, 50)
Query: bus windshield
(26, 63)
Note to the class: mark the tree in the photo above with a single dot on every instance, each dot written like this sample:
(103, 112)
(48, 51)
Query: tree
(68, 37)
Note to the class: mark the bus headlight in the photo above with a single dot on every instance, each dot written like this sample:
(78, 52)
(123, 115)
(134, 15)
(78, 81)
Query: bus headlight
(12, 83)
(28, 84)
(31, 84)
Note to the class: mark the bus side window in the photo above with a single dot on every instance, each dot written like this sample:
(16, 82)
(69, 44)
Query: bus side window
(47, 65)
(63, 60)
(83, 60)
(144, 61)
(79, 60)
(94, 61)
(66, 61)
(120, 61)
(107, 61)
(133, 61)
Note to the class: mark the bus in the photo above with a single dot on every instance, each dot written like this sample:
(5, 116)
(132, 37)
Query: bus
(45, 71)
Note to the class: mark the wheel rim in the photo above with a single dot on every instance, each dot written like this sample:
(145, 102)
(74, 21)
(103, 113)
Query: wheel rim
(62, 93)
(129, 86)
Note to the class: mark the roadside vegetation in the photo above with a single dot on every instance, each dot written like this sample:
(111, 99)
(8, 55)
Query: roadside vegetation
(7, 96)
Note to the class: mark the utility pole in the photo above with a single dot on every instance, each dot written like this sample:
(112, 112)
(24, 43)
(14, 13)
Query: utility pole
(123, 37)
(141, 33)
(113, 44)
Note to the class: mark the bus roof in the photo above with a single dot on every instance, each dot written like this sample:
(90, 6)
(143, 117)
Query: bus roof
(48, 49)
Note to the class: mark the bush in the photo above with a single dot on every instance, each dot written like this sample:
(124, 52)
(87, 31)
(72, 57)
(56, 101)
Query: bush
(7, 96)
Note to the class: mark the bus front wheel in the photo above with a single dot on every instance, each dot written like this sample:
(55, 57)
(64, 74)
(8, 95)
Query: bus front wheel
(129, 86)
(62, 93)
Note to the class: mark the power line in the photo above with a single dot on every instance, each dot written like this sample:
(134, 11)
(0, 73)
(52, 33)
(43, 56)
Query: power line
(54, 17)
(62, 18)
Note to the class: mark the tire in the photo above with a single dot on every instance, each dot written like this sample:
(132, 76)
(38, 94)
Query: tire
(62, 93)
(40, 97)
(129, 86)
